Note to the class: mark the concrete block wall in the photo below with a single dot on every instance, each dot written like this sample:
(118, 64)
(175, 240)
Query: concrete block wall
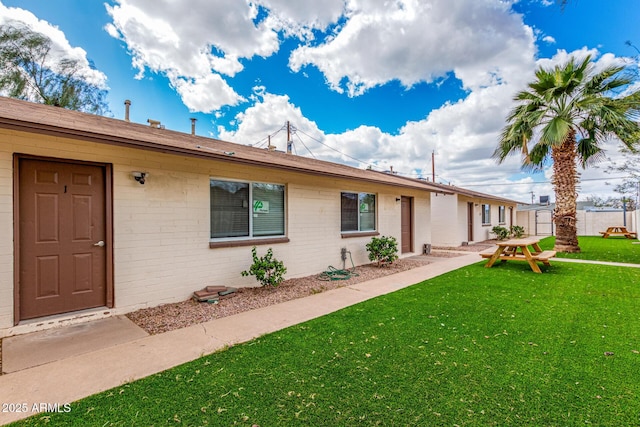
(161, 229)
(6, 236)
(450, 221)
(588, 223)
(445, 210)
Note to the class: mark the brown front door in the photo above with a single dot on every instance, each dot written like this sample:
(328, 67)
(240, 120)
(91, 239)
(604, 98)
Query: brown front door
(470, 222)
(62, 235)
(406, 225)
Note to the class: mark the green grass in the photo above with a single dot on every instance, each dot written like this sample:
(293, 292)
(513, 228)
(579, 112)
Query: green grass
(595, 248)
(476, 346)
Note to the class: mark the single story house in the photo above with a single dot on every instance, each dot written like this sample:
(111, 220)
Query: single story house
(467, 216)
(100, 216)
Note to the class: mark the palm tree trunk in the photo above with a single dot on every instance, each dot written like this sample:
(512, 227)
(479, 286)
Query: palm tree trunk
(564, 180)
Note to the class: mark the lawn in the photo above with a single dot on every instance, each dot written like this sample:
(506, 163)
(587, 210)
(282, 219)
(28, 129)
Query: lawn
(613, 249)
(476, 346)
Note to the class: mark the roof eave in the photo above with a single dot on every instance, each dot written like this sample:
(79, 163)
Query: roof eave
(148, 144)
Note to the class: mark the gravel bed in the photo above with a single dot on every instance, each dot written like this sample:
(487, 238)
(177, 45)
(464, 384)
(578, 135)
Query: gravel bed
(172, 316)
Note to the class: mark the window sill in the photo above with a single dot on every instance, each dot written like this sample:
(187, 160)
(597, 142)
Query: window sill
(249, 242)
(359, 234)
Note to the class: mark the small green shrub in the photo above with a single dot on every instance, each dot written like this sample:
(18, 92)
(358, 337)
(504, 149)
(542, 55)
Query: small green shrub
(500, 232)
(268, 270)
(383, 250)
(517, 231)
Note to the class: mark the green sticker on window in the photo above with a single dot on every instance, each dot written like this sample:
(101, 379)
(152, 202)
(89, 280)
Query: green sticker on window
(260, 206)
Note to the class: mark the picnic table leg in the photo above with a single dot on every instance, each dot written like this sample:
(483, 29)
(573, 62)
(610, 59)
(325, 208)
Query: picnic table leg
(530, 260)
(494, 257)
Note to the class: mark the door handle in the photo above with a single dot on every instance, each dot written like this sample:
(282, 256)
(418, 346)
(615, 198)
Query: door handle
(100, 243)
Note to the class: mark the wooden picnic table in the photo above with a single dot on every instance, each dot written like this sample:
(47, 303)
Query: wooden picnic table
(519, 250)
(619, 231)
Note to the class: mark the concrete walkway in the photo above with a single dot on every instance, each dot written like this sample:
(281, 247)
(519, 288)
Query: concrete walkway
(584, 261)
(91, 371)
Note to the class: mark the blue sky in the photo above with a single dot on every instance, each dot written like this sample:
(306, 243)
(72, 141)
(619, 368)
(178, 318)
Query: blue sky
(368, 82)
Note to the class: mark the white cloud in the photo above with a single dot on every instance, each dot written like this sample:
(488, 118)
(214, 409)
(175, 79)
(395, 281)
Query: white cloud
(298, 18)
(192, 42)
(259, 120)
(357, 45)
(60, 47)
(376, 42)
(413, 41)
(463, 136)
(205, 94)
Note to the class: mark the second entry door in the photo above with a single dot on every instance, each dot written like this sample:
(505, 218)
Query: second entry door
(406, 224)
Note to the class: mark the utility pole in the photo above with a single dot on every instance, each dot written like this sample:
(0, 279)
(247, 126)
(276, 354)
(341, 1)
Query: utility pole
(532, 197)
(433, 166)
(289, 142)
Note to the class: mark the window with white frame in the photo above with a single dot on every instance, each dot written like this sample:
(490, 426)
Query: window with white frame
(486, 214)
(357, 212)
(502, 218)
(246, 209)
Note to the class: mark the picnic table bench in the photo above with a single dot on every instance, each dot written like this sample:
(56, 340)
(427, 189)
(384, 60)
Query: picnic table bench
(518, 250)
(619, 231)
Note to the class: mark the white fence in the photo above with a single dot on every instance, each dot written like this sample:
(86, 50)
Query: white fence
(589, 223)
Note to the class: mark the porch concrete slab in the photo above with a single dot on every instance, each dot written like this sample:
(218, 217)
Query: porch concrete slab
(68, 379)
(38, 348)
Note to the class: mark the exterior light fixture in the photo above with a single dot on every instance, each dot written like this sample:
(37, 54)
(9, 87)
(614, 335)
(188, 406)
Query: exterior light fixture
(140, 176)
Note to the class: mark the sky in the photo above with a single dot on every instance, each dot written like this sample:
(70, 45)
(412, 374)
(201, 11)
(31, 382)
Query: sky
(411, 86)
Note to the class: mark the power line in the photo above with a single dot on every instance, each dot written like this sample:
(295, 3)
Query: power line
(337, 151)
(294, 130)
(261, 142)
(540, 182)
(302, 142)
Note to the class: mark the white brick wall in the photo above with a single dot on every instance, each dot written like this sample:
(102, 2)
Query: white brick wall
(6, 233)
(161, 229)
(588, 223)
(450, 222)
(446, 220)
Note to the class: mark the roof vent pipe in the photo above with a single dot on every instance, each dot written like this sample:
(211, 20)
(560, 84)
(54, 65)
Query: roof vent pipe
(193, 125)
(127, 104)
(155, 124)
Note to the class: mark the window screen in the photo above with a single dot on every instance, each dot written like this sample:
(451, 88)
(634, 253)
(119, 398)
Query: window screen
(358, 212)
(240, 209)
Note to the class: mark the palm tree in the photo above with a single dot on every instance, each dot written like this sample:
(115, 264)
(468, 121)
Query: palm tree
(566, 114)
